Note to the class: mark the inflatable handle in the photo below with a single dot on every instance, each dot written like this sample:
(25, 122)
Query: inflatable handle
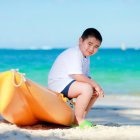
(22, 77)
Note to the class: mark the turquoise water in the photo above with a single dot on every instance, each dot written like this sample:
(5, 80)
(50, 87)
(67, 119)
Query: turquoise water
(117, 71)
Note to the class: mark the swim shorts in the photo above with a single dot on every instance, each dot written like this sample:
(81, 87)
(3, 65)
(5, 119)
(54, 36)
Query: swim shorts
(66, 89)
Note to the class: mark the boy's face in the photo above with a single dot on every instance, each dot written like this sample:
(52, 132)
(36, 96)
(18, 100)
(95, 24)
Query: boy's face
(89, 46)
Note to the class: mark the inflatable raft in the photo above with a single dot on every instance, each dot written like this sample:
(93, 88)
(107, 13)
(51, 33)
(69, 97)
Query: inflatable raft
(24, 102)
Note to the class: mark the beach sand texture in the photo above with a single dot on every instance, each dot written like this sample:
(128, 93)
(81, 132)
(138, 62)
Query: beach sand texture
(117, 118)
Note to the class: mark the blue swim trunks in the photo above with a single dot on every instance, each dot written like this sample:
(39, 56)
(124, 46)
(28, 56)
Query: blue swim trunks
(66, 89)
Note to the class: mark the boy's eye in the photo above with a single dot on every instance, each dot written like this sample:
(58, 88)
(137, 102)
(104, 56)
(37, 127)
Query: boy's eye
(89, 44)
(96, 46)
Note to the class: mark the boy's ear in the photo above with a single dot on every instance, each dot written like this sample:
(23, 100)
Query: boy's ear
(80, 40)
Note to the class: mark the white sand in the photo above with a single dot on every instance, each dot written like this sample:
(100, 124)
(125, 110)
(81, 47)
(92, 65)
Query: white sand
(118, 118)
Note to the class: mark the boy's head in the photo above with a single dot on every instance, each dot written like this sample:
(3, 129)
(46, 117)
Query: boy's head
(90, 41)
(91, 32)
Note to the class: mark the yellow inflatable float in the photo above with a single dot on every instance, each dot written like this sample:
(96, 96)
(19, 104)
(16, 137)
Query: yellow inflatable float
(24, 102)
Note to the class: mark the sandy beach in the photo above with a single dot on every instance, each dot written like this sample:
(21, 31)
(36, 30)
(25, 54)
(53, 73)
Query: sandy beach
(117, 118)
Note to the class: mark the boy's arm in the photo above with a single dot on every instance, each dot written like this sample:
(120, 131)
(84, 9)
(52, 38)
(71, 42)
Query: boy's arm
(84, 78)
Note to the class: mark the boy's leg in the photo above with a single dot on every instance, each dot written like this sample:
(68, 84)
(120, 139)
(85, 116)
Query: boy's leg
(91, 103)
(83, 92)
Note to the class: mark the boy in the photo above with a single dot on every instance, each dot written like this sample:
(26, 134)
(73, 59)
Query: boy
(70, 75)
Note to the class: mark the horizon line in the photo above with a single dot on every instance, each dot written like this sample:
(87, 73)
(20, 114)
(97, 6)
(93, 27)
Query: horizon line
(63, 48)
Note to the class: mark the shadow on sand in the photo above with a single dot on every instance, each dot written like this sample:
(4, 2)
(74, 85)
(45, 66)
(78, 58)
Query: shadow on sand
(114, 116)
(39, 126)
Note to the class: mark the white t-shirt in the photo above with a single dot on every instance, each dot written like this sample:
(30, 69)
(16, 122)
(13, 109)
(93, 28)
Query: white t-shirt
(70, 61)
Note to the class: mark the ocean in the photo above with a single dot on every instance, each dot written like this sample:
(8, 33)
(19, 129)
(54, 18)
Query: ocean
(117, 71)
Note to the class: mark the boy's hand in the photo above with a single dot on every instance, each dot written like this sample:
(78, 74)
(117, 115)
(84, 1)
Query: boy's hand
(99, 90)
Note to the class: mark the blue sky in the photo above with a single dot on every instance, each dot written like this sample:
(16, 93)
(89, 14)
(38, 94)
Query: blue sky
(60, 23)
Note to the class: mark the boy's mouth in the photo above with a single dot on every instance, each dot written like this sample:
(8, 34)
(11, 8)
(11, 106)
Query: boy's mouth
(90, 53)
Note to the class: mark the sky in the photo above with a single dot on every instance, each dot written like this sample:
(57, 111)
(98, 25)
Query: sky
(60, 23)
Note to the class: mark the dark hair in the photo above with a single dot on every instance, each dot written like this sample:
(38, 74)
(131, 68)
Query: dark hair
(93, 33)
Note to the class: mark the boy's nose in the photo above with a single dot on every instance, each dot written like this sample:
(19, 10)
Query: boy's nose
(91, 49)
